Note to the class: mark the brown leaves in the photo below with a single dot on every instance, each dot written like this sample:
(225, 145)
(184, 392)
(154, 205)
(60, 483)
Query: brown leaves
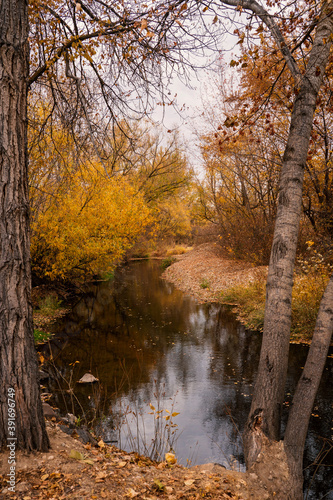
(131, 493)
(100, 477)
(143, 24)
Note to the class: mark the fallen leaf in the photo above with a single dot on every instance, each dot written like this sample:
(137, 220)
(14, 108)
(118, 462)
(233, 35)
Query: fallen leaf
(56, 475)
(76, 454)
(189, 482)
(121, 464)
(131, 493)
(87, 461)
(100, 476)
(45, 476)
(101, 443)
(170, 458)
(158, 485)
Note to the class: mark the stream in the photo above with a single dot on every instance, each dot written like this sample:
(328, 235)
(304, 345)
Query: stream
(173, 374)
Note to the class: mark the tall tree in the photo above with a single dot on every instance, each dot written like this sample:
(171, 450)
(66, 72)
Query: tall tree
(263, 426)
(18, 361)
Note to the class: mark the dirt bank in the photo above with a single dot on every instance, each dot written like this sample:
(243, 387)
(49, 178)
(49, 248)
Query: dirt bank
(205, 272)
(106, 472)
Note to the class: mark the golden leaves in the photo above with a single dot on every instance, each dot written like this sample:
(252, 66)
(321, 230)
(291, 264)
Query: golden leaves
(170, 458)
(88, 226)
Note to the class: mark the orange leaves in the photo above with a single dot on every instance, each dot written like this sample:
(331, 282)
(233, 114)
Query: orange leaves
(143, 24)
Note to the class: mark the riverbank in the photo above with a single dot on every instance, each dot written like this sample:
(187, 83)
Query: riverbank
(49, 306)
(208, 275)
(77, 471)
(73, 469)
(205, 272)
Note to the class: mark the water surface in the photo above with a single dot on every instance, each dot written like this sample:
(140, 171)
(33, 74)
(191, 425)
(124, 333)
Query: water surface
(155, 349)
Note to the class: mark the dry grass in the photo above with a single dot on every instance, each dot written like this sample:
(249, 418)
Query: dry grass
(307, 293)
(178, 250)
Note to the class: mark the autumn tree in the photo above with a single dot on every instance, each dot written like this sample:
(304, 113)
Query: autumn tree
(241, 163)
(163, 175)
(84, 217)
(87, 228)
(301, 32)
(251, 121)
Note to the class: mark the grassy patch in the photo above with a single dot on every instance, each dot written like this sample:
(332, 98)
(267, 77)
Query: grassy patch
(307, 293)
(167, 262)
(249, 303)
(204, 283)
(48, 308)
(40, 336)
(178, 250)
(48, 305)
(140, 256)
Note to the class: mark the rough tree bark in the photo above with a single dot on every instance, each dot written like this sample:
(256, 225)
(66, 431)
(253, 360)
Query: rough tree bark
(306, 390)
(18, 359)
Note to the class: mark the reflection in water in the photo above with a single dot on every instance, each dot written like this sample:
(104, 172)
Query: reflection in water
(149, 344)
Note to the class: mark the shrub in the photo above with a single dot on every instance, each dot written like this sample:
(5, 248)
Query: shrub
(49, 304)
(87, 228)
(40, 336)
(249, 303)
(167, 262)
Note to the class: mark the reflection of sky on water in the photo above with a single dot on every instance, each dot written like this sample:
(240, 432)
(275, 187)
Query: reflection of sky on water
(203, 435)
(140, 335)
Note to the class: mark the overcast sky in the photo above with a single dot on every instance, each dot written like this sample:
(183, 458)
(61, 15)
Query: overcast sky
(191, 100)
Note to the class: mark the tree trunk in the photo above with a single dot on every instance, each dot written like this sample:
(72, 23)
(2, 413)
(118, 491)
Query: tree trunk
(18, 360)
(265, 414)
(303, 400)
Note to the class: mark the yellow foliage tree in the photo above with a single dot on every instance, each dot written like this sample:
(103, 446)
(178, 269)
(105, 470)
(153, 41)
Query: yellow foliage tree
(147, 167)
(87, 227)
